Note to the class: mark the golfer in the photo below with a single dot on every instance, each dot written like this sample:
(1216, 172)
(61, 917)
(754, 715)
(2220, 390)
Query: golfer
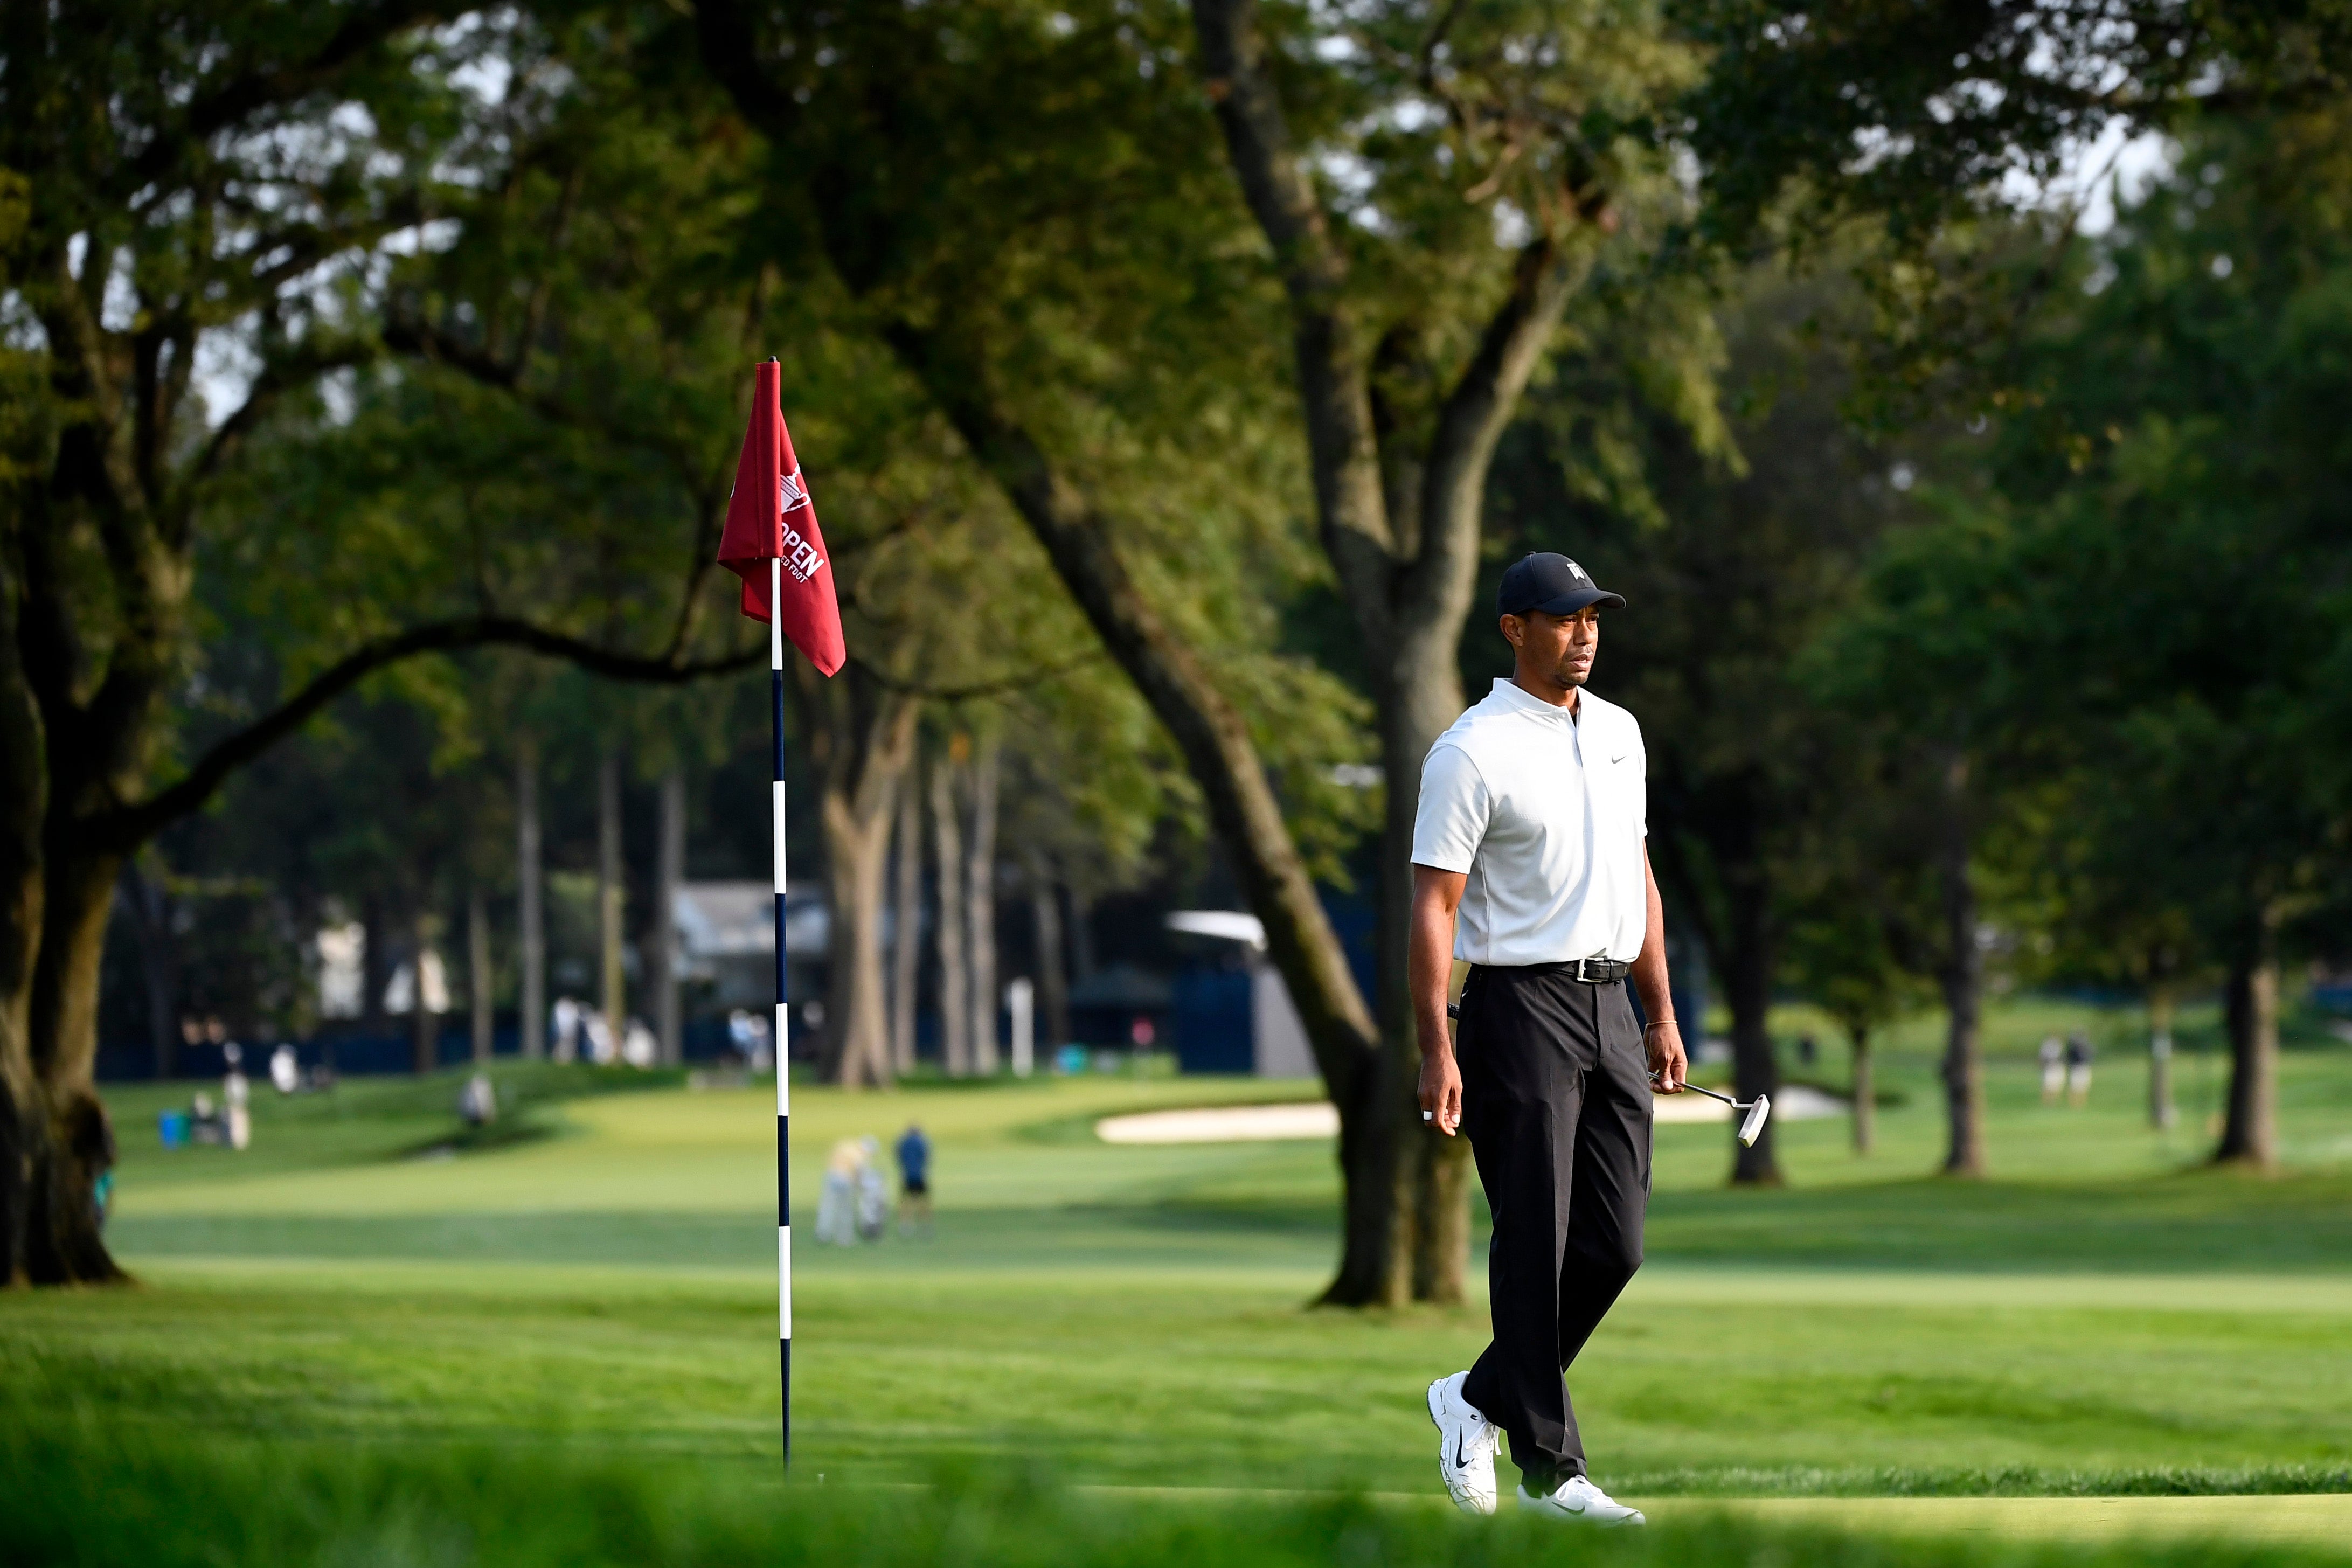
(1528, 863)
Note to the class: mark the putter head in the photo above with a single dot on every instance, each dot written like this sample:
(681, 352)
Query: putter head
(1753, 1127)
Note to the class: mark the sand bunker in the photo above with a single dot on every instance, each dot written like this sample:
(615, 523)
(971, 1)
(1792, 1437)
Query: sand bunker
(1224, 1124)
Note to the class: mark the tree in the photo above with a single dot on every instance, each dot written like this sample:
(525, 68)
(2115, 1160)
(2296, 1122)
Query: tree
(174, 179)
(1929, 664)
(1853, 922)
(1034, 269)
(2178, 502)
(1735, 544)
(1415, 326)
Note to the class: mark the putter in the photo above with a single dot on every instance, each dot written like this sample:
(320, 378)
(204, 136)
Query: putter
(1758, 1110)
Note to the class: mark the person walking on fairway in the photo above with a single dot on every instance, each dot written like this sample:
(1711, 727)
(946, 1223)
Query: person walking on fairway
(1529, 862)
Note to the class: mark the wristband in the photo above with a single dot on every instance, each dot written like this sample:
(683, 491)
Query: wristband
(1660, 1024)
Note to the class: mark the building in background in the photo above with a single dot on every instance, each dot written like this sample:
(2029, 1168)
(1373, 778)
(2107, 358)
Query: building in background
(1236, 1018)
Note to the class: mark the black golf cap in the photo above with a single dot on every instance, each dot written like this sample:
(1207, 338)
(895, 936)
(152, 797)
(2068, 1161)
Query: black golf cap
(1552, 583)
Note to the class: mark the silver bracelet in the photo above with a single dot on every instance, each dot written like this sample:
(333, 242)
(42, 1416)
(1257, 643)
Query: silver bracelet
(1660, 1024)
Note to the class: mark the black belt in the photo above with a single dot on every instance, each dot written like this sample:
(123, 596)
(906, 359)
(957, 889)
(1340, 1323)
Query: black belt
(1593, 971)
(1590, 970)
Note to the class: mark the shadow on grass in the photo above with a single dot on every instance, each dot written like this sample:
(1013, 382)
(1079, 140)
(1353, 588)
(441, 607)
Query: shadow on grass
(2196, 1220)
(2201, 1221)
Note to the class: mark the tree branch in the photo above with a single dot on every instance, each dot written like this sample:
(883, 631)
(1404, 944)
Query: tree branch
(1476, 410)
(275, 381)
(241, 95)
(421, 339)
(125, 827)
(1206, 727)
(1343, 446)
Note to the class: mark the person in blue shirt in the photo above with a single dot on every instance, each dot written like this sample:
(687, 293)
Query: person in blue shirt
(914, 1152)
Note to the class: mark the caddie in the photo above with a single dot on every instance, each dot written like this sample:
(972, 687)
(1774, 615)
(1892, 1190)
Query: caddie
(1530, 864)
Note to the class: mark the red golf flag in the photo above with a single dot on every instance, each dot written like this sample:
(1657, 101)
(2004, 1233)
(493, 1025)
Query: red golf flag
(770, 517)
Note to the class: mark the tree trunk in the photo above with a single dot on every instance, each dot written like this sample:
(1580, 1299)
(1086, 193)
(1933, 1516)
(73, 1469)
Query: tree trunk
(70, 1149)
(481, 983)
(158, 968)
(661, 931)
(530, 912)
(1052, 978)
(1865, 1090)
(1747, 971)
(906, 925)
(1421, 695)
(1439, 1171)
(24, 806)
(864, 738)
(1963, 984)
(1081, 937)
(947, 837)
(2161, 1112)
(980, 904)
(611, 895)
(856, 1019)
(2250, 1128)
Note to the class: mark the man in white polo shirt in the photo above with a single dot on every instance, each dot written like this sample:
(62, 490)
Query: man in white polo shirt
(1528, 863)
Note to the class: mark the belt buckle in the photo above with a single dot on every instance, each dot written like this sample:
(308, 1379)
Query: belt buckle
(1581, 975)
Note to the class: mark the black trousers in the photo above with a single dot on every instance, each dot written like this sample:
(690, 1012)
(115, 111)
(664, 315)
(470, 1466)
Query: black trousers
(1556, 1103)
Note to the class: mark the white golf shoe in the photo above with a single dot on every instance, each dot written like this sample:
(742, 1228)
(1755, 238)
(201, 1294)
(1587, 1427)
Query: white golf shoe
(1467, 1442)
(1577, 1498)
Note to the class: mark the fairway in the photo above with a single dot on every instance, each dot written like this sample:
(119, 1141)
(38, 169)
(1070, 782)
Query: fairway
(1865, 1349)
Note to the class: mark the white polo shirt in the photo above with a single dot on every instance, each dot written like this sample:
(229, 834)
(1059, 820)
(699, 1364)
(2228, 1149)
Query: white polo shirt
(1546, 813)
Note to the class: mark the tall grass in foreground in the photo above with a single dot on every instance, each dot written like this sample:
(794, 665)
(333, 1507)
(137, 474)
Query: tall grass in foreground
(90, 1499)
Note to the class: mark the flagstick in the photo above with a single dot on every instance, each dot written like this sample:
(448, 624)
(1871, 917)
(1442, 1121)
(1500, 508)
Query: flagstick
(783, 1065)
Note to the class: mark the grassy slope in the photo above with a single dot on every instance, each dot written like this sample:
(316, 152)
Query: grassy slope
(2098, 1318)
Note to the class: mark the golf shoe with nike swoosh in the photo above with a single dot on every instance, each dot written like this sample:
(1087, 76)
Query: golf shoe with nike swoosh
(1577, 1498)
(1467, 1442)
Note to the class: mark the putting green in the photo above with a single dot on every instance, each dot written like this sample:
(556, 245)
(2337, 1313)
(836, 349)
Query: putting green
(2292, 1520)
(2310, 1520)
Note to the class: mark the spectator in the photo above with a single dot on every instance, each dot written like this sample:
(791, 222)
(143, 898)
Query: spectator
(836, 1204)
(566, 1018)
(2078, 1068)
(285, 1073)
(477, 1102)
(604, 1045)
(236, 1094)
(2053, 1068)
(914, 1152)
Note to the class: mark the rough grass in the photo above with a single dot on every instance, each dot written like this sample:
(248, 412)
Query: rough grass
(85, 1501)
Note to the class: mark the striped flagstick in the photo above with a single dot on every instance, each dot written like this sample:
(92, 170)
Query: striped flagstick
(783, 1065)
(772, 526)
